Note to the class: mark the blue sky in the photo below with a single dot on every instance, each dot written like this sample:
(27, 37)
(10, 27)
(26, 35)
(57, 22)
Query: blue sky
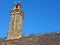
(40, 16)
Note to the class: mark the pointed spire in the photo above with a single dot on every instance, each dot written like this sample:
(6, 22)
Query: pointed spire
(19, 5)
(15, 5)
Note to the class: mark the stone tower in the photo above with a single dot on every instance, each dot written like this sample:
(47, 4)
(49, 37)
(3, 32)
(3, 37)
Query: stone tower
(15, 26)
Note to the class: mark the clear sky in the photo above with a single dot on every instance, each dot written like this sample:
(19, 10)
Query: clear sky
(40, 16)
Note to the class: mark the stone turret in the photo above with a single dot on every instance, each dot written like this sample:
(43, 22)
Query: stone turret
(15, 26)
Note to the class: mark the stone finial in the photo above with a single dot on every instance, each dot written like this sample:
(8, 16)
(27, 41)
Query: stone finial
(19, 5)
(15, 5)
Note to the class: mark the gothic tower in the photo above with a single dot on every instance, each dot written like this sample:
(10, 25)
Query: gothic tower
(15, 26)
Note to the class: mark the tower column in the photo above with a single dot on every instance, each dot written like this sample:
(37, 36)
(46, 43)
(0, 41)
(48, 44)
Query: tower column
(15, 27)
(11, 25)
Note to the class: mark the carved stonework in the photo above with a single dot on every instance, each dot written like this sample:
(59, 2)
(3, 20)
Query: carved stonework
(15, 27)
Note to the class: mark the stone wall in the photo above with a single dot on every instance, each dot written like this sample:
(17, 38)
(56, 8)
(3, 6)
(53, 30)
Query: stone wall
(35, 39)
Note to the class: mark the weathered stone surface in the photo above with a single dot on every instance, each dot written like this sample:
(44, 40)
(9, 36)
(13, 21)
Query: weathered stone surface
(16, 17)
(15, 29)
(35, 39)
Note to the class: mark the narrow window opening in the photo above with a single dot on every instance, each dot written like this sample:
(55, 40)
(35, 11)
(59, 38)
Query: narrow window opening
(16, 6)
